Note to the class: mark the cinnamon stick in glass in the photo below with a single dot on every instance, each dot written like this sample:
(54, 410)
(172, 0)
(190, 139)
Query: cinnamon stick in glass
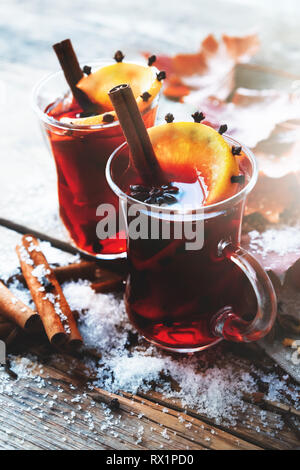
(142, 154)
(51, 304)
(73, 73)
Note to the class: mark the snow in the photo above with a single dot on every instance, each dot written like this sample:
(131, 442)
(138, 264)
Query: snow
(281, 240)
(212, 383)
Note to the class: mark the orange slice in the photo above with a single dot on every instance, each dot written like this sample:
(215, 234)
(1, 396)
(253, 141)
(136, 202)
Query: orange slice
(97, 85)
(190, 150)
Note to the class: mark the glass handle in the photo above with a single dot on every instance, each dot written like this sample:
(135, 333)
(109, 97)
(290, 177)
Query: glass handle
(226, 323)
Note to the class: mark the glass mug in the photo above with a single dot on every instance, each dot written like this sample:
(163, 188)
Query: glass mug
(80, 154)
(186, 300)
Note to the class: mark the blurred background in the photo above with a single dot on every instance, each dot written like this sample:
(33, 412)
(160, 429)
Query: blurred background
(99, 27)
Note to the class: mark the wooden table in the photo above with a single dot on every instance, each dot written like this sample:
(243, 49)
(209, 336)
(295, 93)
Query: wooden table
(30, 416)
(58, 409)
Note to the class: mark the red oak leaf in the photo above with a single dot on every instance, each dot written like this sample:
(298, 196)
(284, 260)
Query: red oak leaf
(210, 70)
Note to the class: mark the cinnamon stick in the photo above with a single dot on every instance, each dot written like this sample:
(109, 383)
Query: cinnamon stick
(13, 336)
(142, 154)
(113, 283)
(89, 270)
(5, 329)
(113, 265)
(16, 311)
(73, 73)
(83, 270)
(55, 313)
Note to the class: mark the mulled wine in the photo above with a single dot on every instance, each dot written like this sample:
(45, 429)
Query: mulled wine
(80, 156)
(174, 290)
(82, 130)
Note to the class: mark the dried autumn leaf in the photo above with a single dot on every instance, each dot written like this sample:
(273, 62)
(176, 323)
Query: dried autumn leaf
(277, 247)
(292, 277)
(279, 154)
(209, 71)
(272, 196)
(252, 115)
(267, 121)
(289, 301)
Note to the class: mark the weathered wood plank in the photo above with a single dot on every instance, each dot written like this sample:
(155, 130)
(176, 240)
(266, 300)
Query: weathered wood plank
(180, 423)
(151, 412)
(58, 412)
(30, 421)
(249, 424)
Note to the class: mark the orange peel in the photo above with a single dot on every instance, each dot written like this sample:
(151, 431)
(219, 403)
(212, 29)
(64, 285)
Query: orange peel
(97, 85)
(191, 150)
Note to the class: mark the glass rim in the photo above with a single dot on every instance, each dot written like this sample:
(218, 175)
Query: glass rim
(65, 126)
(218, 206)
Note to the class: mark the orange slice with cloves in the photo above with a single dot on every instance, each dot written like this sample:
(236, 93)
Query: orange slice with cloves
(192, 150)
(142, 79)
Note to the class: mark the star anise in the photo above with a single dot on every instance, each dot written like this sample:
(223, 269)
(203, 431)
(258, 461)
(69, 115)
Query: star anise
(163, 194)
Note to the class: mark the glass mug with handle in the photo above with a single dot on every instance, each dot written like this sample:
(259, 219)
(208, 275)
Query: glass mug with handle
(184, 298)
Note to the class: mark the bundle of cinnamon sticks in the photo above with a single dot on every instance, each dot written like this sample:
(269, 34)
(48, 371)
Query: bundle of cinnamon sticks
(51, 307)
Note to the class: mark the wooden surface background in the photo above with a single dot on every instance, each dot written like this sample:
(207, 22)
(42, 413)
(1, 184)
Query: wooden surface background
(58, 409)
(28, 418)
